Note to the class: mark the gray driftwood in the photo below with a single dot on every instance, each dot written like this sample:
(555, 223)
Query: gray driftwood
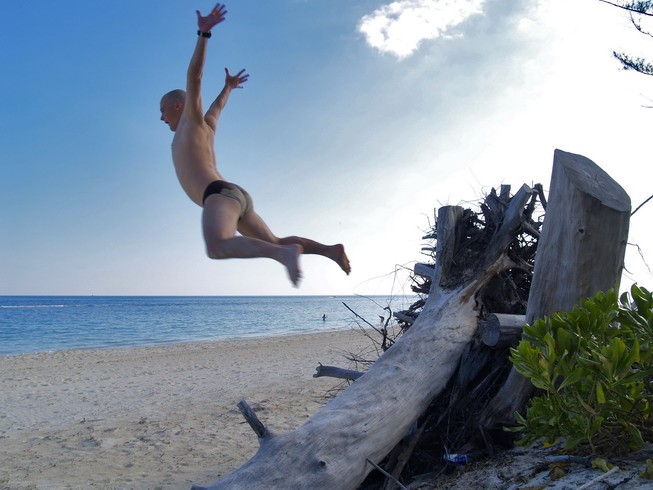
(250, 416)
(403, 317)
(364, 422)
(423, 270)
(336, 372)
(501, 329)
(368, 419)
(581, 251)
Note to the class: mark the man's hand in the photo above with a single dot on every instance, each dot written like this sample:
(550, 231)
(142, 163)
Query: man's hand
(236, 81)
(217, 15)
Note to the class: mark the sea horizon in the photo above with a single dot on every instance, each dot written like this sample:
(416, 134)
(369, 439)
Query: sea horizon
(48, 323)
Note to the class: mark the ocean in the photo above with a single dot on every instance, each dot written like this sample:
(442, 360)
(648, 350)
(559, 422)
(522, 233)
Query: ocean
(30, 324)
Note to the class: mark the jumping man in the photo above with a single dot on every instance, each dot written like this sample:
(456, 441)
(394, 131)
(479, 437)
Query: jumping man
(227, 207)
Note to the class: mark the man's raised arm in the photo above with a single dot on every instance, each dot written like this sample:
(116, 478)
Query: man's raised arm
(231, 82)
(196, 66)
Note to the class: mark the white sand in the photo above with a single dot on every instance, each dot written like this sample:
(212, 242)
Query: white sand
(156, 417)
(166, 417)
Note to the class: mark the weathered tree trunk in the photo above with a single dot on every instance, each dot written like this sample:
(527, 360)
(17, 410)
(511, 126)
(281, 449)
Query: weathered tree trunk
(581, 251)
(370, 417)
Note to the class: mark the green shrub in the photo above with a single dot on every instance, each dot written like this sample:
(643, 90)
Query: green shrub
(595, 367)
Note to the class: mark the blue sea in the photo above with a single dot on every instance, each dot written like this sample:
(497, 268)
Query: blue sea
(31, 324)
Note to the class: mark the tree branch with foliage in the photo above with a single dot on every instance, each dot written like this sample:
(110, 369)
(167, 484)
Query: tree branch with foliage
(637, 10)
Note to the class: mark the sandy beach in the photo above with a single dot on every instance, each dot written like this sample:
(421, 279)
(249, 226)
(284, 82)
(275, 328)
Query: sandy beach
(156, 417)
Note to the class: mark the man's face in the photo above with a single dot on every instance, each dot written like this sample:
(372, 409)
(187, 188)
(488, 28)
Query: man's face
(171, 112)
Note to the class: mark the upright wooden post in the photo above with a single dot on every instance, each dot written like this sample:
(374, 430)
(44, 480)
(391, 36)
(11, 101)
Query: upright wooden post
(581, 251)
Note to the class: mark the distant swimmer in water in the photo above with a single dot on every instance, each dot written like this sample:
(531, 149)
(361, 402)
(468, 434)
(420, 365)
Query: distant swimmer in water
(324, 318)
(227, 207)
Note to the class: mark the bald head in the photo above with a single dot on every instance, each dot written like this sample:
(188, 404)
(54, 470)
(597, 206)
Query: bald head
(177, 95)
(172, 105)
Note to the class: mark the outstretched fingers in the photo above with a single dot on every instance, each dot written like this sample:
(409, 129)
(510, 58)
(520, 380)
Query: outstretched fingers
(236, 81)
(219, 12)
(217, 15)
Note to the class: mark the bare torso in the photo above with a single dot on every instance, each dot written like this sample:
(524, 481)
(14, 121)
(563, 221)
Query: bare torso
(193, 154)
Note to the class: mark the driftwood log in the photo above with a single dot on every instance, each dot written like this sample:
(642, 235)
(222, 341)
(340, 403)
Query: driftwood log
(345, 440)
(581, 251)
(336, 372)
(501, 329)
(332, 448)
(455, 421)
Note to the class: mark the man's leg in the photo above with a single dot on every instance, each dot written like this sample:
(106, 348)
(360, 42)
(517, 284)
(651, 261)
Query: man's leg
(219, 225)
(252, 225)
(333, 252)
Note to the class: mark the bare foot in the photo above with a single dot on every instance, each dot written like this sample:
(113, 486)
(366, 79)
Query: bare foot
(291, 261)
(338, 255)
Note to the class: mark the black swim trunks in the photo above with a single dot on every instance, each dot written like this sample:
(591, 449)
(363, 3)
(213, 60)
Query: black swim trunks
(230, 190)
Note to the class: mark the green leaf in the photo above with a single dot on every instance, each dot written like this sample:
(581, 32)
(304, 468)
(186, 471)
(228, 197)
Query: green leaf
(563, 339)
(600, 395)
(575, 376)
(601, 464)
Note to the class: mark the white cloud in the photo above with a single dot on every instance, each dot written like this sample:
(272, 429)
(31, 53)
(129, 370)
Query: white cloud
(399, 27)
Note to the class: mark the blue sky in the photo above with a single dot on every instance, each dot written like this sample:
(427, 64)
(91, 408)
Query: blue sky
(358, 120)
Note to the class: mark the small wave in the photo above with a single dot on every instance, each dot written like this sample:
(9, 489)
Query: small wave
(32, 306)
